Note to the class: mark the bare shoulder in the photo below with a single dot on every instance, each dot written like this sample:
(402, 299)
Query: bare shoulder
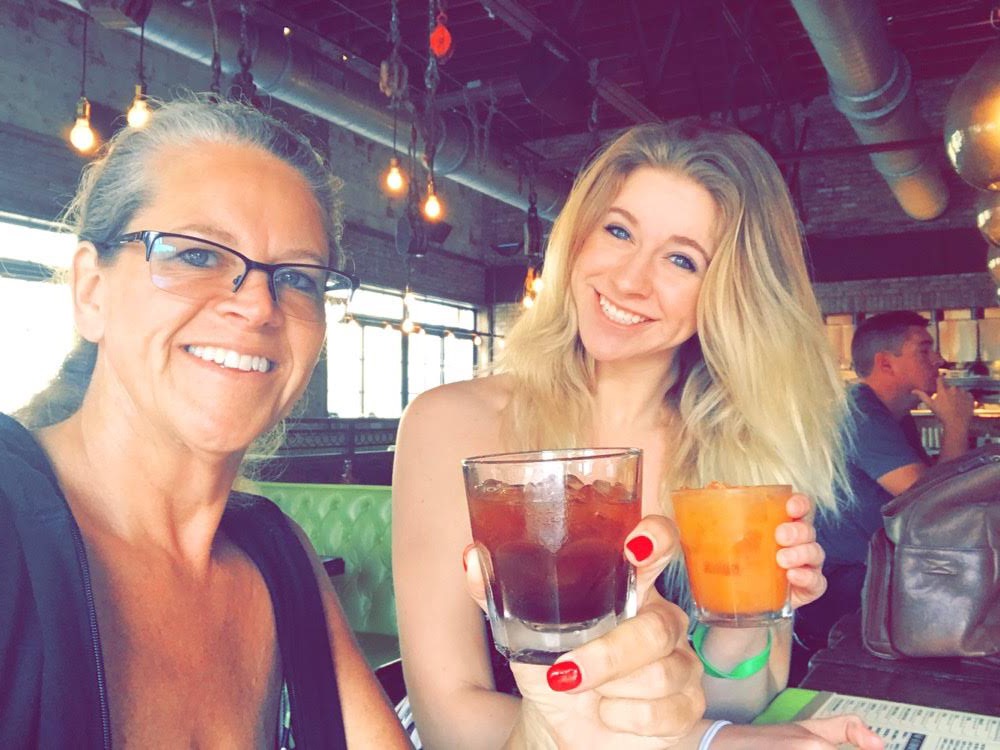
(458, 407)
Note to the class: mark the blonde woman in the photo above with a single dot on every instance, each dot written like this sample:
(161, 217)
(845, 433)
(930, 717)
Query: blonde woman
(677, 317)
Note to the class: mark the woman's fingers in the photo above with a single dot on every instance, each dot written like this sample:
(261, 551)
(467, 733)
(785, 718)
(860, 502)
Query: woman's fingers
(649, 547)
(656, 632)
(669, 718)
(809, 555)
(674, 672)
(800, 506)
(475, 581)
(791, 533)
(838, 730)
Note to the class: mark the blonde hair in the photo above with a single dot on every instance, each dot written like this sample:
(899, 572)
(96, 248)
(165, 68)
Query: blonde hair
(756, 390)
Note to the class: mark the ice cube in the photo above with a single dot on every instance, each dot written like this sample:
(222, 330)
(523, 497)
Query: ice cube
(602, 488)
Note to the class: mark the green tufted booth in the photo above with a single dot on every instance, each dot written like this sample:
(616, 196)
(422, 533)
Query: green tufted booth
(353, 522)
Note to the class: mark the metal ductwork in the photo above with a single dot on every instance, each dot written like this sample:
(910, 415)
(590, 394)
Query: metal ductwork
(871, 84)
(292, 73)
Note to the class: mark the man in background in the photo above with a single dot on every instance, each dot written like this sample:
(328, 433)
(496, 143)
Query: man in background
(897, 365)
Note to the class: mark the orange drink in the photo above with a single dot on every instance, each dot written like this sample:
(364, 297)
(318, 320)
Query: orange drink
(727, 534)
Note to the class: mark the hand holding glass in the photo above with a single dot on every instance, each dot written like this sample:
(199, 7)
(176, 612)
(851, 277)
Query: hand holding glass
(550, 527)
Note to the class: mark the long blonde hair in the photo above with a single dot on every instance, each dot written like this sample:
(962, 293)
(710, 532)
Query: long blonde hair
(757, 394)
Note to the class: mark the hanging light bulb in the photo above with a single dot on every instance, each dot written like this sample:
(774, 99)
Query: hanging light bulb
(477, 340)
(432, 206)
(82, 135)
(394, 179)
(139, 113)
(406, 326)
(537, 285)
(528, 302)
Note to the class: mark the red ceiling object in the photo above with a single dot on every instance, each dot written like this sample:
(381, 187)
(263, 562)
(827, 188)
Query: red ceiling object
(440, 39)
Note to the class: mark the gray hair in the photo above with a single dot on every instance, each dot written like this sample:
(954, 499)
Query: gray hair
(114, 187)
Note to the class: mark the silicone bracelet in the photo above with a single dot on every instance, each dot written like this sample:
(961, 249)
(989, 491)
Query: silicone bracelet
(742, 670)
(713, 729)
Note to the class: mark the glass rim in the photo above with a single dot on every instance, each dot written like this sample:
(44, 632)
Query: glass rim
(563, 455)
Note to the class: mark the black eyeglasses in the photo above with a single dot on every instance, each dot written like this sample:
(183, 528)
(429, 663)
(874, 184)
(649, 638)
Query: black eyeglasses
(198, 269)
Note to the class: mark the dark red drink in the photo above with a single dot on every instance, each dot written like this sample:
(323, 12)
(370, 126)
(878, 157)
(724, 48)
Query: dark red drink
(555, 561)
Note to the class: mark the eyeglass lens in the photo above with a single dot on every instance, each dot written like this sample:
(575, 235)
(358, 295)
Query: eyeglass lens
(199, 269)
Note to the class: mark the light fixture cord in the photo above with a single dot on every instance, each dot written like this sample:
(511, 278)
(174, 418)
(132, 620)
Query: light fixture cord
(431, 80)
(142, 46)
(215, 86)
(83, 73)
(243, 86)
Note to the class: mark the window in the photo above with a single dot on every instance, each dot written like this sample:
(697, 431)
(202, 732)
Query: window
(366, 352)
(37, 330)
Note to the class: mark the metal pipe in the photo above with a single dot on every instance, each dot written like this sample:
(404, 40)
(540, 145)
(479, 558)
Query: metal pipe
(290, 72)
(871, 85)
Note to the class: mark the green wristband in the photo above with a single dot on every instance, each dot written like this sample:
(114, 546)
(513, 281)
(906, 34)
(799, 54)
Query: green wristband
(742, 670)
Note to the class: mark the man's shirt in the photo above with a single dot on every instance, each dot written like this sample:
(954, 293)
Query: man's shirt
(881, 444)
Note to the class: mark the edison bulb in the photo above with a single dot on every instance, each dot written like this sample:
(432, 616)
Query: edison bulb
(407, 326)
(528, 302)
(432, 207)
(537, 284)
(394, 179)
(139, 113)
(82, 136)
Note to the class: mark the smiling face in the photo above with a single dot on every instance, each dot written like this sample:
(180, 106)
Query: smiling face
(636, 279)
(213, 373)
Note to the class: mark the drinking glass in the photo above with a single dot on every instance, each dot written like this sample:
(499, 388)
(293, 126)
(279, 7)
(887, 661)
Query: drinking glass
(550, 529)
(727, 534)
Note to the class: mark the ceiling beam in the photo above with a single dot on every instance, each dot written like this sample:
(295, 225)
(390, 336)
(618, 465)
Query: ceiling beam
(525, 23)
(476, 91)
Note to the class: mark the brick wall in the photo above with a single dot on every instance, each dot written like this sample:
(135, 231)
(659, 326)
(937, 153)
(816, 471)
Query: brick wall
(918, 293)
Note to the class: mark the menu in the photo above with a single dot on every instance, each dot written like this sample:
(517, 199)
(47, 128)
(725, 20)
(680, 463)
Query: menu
(903, 726)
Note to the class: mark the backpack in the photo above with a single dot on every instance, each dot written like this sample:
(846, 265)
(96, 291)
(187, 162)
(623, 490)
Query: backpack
(932, 587)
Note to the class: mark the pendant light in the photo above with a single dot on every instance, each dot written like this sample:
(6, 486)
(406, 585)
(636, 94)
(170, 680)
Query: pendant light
(139, 113)
(82, 135)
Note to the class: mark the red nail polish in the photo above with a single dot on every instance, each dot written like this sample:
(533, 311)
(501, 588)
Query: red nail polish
(563, 676)
(641, 547)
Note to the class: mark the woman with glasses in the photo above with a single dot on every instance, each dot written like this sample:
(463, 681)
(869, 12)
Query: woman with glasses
(142, 602)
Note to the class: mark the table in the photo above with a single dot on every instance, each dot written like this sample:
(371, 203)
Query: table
(958, 684)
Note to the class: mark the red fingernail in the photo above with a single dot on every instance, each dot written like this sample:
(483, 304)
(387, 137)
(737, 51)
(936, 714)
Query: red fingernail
(563, 676)
(641, 547)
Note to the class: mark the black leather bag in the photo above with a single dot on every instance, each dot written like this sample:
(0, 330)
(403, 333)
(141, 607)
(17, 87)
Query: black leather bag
(933, 582)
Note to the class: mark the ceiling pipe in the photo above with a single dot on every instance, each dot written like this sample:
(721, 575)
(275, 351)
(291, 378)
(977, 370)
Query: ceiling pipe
(871, 85)
(294, 74)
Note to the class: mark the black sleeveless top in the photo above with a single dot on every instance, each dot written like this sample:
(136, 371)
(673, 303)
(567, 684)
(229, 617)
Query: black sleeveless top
(53, 692)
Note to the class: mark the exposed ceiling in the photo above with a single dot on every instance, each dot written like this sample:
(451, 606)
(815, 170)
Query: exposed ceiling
(652, 58)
